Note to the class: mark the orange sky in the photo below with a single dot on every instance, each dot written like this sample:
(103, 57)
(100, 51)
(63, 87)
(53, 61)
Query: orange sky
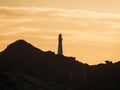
(90, 28)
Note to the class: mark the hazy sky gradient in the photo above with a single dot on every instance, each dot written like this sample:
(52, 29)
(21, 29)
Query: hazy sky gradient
(90, 28)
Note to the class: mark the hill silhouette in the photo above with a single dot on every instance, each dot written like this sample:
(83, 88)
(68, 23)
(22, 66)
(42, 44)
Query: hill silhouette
(22, 58)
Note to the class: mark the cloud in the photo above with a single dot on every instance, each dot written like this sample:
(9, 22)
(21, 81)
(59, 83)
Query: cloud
(73, 13)
(19, 30)
(77, 25)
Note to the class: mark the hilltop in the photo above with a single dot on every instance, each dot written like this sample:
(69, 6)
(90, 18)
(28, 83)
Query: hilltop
(22, 58)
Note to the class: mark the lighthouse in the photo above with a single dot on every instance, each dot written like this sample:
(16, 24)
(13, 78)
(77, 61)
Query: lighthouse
(60, 51)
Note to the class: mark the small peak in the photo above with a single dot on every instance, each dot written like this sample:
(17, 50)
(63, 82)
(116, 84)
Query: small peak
(21, 41)
(20, 44)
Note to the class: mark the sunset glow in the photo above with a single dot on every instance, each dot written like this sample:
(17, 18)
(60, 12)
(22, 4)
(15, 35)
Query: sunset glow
(90, 28)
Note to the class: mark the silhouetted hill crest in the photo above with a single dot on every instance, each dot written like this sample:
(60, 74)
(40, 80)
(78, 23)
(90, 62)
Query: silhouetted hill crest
(20, 46)
(21, 57)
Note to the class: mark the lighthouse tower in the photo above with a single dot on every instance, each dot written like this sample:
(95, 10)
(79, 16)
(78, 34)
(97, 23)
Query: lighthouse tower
(60, 51)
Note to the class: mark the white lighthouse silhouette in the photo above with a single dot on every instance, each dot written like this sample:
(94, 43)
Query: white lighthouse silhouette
(60, 51)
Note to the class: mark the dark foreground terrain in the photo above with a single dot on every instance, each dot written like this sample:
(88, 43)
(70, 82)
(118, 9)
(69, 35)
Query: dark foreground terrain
(21, 82)
(25, 67)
